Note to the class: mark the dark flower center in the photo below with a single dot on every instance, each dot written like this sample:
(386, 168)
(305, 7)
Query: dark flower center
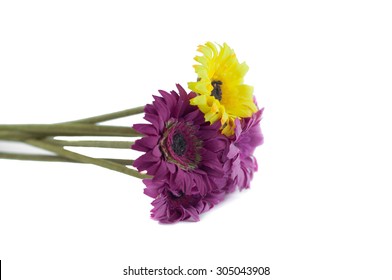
(179, 144)
(216, 91)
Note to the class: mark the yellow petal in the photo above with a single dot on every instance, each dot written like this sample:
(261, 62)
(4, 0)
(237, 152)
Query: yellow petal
(220, 63)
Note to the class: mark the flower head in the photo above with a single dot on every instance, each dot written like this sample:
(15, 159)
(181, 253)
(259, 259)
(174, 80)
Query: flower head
(184, 155)
(247, 137)
(171, 207)
(221, 92)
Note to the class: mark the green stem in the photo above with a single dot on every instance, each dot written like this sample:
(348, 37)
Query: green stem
(97, 144)
(83, 127)
(20, 136)
(74, 129)
(110, 116)
(14, 136)
(85, 159)
(56, 158)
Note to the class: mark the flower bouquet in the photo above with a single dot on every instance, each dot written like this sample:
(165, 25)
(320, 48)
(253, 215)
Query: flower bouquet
(196, 146)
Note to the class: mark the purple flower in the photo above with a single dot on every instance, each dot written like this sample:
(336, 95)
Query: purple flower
(240, 155)
(184, 155)
(171, 207)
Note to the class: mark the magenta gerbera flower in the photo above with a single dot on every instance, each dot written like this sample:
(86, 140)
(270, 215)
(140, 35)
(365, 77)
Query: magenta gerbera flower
(171, 207)
(183, 154)
(247, 137)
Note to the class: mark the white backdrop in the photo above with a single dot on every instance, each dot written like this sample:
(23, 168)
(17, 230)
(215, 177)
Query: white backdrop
(320, 206)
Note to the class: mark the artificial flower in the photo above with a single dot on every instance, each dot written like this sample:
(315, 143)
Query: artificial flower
(247, 137)
(222, 94)
(171, 207)
(179, 147)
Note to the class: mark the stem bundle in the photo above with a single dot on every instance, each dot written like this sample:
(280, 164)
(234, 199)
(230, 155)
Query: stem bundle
(41, 136)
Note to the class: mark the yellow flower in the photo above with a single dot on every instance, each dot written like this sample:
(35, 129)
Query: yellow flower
(221, 92)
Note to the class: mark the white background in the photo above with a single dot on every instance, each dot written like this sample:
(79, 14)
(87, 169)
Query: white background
(320, 206)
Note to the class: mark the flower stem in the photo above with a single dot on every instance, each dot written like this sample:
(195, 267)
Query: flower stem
(19, 136)
(35, 135)
(14, 135)
(110, 116)
(93, 143)
(85, 159)
(74, 129)
(56, 158)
